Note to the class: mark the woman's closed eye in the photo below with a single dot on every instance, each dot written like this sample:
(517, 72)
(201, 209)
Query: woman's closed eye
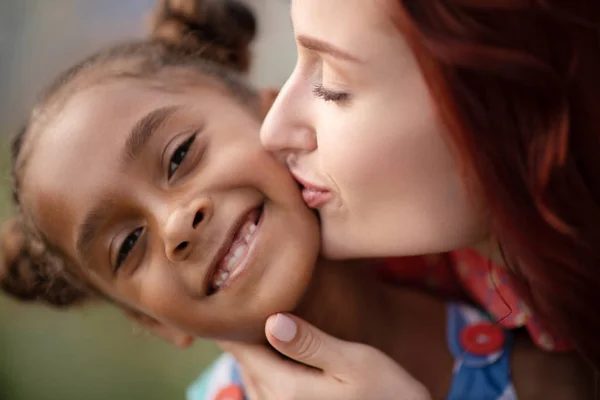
(127, 246)
(330, 95)
(179, 155)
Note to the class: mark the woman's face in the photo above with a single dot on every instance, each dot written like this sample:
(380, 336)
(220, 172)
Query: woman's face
(358, 129)
(173, 208)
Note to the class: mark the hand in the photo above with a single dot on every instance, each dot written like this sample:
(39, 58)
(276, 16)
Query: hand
(341, 370)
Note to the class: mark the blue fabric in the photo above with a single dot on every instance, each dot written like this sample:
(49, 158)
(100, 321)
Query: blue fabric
(477, 377)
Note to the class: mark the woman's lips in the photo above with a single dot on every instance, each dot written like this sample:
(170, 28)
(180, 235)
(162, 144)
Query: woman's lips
(314, 196)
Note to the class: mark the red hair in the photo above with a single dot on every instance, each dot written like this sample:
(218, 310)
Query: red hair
(517, 84)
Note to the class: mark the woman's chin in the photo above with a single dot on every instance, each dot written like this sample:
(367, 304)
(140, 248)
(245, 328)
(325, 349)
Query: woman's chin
(334, 250)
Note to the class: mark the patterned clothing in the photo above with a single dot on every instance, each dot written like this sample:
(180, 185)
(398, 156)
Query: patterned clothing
(481, 370)
(488, 284)
(481, 352)
(491, 286)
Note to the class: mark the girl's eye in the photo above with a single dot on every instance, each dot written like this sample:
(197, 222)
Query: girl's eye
(127, 246)
(179, 155)
(330, 95)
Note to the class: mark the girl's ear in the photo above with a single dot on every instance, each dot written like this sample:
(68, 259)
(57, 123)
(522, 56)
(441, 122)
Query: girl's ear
(267, 98)
(175, 336)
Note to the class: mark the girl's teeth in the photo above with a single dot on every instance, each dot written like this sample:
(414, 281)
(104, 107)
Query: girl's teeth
(231, 263)
(239, 251)
(245, 234)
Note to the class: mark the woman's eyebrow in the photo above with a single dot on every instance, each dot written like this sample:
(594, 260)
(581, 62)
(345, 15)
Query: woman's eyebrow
(320, 46)
(144, 129)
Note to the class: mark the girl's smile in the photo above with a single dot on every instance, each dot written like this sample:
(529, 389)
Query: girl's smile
(171, 206)
(239, 248)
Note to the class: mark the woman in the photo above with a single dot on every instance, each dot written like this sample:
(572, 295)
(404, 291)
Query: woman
(428, 127)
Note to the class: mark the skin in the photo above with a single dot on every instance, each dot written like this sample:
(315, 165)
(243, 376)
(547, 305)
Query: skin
(370, 136)
(76, 164)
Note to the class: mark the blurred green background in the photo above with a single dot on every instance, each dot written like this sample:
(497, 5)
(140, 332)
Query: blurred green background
(93, 354)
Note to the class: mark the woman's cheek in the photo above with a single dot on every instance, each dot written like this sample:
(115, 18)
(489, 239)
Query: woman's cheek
(358, 157)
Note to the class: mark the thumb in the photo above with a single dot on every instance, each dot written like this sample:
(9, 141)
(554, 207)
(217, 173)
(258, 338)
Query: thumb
(302, 342)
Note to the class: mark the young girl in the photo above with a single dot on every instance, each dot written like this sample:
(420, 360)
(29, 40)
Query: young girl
(468, 128)
(140, 179)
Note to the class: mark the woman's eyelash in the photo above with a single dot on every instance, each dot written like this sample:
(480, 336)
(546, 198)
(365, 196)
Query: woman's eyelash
(127, 246)
(179, 155)
(330, 95)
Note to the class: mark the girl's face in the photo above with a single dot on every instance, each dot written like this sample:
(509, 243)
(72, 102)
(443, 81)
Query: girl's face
(358, 129)
(173, 208)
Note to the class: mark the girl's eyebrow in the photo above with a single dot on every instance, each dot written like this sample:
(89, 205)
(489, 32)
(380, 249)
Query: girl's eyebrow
(144, 129)
(140, 135)
(92, 223)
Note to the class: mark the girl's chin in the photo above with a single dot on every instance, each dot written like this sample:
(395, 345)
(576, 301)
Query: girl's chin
(254, 334)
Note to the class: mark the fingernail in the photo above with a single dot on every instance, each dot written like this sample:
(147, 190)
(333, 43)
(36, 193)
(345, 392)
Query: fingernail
(283, 328)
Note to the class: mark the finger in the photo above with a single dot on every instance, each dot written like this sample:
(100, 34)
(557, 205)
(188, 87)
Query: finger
(225, 345)
(306, 344)
(250, 359)
(273, 377)
(250, 387)
(258, 358)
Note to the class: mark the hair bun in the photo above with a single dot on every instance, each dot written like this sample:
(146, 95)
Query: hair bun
(31, 278)
(219, 30)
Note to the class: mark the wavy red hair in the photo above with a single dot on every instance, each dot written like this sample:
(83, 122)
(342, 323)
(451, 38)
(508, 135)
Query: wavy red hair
(517, 84)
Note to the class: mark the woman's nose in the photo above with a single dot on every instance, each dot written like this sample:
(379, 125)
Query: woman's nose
(183, 228)
(287, 128)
